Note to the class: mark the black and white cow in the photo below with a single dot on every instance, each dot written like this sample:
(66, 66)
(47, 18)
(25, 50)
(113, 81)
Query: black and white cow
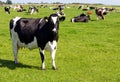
(61, 15)
(32, 33)
(32, 9)
(100, 12)
(7, 9)
(81, 18)
(61, 8)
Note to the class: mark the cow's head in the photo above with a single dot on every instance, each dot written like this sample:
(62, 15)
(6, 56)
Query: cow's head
(53, 26)
(53, 23)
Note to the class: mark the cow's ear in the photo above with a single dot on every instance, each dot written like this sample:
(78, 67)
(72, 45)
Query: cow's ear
(46, 19)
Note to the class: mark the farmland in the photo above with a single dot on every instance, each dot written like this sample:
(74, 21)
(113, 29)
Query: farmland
(86, 52)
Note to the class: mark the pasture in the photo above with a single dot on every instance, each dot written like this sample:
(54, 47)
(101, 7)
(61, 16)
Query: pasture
(86, 52)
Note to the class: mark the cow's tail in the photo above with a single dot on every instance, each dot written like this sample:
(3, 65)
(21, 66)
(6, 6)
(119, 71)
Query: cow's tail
(11, 25)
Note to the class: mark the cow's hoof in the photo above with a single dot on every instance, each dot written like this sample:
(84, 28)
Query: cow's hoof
(54, 68)
(16, 62)
(42, 68)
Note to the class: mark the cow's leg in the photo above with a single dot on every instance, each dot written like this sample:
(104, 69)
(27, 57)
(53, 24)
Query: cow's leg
(15, 51)
(8, 12)
(102, 16)
(32, 11)
(53, 52)
(43, 59)
(97, 17)
(51, 46)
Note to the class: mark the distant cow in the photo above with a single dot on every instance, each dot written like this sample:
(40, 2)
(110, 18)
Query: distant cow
(80, 7)
(55, 8)
(33, 33)
(91, 7)
(61, 8)
(81, 18)
(32, 9)
(18, 7)
(21, 10)
(61, 15)
(100, 12)
(7, 9)
(86, 9)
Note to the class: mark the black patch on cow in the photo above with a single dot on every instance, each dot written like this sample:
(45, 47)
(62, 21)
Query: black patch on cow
(42, 57)
(26, 29)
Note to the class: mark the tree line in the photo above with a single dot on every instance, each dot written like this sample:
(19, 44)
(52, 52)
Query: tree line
(7, 2)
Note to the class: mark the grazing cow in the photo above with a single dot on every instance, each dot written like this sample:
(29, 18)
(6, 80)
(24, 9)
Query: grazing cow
(61, 8)
(81, 18)
(32, 9)
(7, 9)
(100, 12)
(80, 7)
(32, 33)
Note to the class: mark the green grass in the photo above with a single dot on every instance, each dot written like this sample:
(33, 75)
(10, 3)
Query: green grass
(87, 52)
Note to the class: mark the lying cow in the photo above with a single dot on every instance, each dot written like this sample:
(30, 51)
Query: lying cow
(21, 10)
(32, 33)
(81, 18)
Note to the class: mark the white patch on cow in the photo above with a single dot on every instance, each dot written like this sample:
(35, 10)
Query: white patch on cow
(30, 46)
(54, 30)
(54, 19)
(58, 14)
(14, 23)
(40, 20)
(32, 11)
(72, 19)
(16, 19)
(51, 45)
(104, 11)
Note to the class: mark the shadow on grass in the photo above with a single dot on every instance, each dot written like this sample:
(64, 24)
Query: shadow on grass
(93, 20)
(11, 65)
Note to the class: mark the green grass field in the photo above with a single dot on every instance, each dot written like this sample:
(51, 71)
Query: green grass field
(86, 52)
